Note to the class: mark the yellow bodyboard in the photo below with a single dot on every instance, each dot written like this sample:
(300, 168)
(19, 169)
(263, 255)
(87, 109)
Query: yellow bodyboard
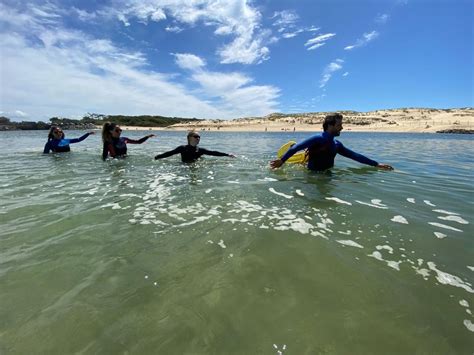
(298, 158)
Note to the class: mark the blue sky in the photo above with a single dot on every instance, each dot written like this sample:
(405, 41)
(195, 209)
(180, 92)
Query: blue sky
(232, 58)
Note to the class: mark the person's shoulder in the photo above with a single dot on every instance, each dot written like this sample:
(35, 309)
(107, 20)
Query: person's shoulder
(316, 137)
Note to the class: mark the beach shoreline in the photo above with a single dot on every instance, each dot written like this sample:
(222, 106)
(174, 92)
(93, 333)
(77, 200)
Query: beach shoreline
(383, 121)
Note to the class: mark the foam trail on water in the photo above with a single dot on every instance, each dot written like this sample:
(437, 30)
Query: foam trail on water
(338, 200)
(271, 189)
(444, 226)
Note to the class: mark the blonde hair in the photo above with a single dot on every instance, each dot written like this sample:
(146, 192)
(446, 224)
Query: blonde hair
(106, 129)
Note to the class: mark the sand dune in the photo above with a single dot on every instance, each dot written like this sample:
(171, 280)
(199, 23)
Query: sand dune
(396, 120)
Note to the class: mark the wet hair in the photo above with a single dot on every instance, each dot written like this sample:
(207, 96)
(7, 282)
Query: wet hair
(330, 120)
(51, 130)
(107, 128)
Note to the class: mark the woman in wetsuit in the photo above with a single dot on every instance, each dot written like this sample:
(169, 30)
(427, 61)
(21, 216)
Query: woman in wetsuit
(58, 144)
(114, 144)
(191, 151)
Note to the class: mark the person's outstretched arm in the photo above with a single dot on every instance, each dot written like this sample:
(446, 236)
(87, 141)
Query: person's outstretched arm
(215, 153)
(81, 138)
(360, 158)
(295, 148)
(138, 141)
(170, 153)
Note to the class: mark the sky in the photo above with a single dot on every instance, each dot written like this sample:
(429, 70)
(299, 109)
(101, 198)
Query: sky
(225, 59)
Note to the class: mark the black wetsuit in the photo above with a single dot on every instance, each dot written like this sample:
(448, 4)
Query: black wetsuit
(190, 153)
(118, 146)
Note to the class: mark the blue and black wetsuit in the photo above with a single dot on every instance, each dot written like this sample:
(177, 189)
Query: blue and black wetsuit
(322, 150)
(62, 145)
(118, 146)
(190, 153)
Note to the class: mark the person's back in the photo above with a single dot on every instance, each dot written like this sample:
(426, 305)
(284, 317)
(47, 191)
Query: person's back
(322, 152)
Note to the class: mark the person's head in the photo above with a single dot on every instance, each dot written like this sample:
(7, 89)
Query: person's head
(333, 124)
(110, 130)
(193, 138)
(55, 132)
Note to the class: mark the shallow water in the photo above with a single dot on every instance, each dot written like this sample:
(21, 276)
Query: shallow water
(225, 256)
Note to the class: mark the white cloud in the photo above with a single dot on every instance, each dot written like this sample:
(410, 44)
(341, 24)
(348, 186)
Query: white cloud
(235, 18)
(175, 29)
(15, 115)
(382, 18)
(366, 38)
(318, 41)
(292, 34)
(84, 15)
(285, 18)
(317, 45)
(245, 50)
(234, 91)
(68, 73)
(286, 22)
(189, 61)
(329, 70)
(345, 74)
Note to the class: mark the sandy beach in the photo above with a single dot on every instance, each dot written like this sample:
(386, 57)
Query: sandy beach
(413, 120)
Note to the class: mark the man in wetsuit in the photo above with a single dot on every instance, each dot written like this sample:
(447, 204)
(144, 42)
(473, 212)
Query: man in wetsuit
(191, 151)
(322, 148)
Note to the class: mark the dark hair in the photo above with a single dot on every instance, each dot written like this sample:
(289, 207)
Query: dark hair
(51, 130)
(106, 129)
(330, 120)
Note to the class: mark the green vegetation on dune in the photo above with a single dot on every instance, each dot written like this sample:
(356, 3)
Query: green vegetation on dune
(91, 120)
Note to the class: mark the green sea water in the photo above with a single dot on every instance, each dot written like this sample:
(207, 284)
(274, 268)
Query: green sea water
(225, 256)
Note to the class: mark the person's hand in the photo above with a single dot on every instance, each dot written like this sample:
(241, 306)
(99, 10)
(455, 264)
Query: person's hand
(151, 136)
(385, 167)
(274, 164)
(232, 155)
(92, 132)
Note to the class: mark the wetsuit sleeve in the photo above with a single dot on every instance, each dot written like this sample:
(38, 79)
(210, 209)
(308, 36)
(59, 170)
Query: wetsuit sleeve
(300, 146)
(213, 153)
(170, 153)
(80, 139)
(136, 141)
(354, 156)
(108, 148)
(47, 147)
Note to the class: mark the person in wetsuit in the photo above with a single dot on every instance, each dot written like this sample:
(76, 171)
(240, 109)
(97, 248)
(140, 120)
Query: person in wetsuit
(57, 143)
(191, 152)
(322, 148)
(114, 144)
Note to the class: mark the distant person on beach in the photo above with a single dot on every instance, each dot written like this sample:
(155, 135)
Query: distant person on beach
(191, 151)
(114, 144)
(322, 148)
(57, 143)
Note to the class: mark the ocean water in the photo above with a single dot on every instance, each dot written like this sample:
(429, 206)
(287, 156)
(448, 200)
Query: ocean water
(225, 256)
